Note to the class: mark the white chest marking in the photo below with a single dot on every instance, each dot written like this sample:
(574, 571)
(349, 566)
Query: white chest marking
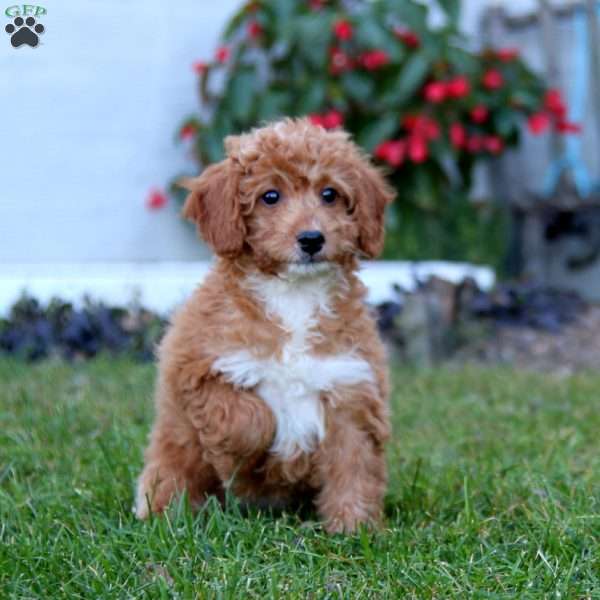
(292, 385)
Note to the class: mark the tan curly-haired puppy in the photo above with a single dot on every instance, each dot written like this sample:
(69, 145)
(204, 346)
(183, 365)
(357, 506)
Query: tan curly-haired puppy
(272, 379)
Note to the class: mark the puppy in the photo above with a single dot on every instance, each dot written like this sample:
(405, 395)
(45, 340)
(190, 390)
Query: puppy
(272, 379)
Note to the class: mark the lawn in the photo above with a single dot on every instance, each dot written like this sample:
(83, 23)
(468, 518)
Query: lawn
(494, 493)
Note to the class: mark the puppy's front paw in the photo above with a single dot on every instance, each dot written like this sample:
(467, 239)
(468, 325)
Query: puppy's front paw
(348, 519)
(152, 495)
(233, 422)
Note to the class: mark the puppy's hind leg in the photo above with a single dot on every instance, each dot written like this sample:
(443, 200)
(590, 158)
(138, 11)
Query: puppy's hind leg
(174, 464)
(351, 464)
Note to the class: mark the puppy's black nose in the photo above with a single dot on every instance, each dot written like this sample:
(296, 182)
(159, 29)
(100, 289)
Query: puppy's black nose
(311, 241)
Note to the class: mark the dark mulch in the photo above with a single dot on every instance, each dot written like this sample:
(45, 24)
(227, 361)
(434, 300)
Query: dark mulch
(519, 324)
(33, 331)
(523, 325)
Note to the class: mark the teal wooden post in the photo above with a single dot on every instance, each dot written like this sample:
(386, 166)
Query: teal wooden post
(569, 160)
(593, 16)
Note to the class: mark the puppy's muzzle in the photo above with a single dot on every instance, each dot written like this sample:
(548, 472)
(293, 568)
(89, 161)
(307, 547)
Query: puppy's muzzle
(311, 242)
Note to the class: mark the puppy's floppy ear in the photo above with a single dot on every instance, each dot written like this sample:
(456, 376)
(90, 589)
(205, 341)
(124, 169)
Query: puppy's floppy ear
(214, 205)
(373, 194)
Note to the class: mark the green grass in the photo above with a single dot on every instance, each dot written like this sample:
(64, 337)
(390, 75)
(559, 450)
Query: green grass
(494, 493)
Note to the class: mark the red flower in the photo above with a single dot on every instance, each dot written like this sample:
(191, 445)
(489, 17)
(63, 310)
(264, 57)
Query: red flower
(417, 149)
(493, 79)
(459, 87)
(333, 119)
(538, 123)
(254, 29)
(475, 144)
(507, 54)
(432, 130)
(156, 199)
(554, 102)
(493, 144)
(480, 114)
(374, 59)
(458, 135)
(200, 67)
(409, 38)
(435, 92)
(316, 119)
(222, 54)
(566, 127)
(392, 151)
(329, 120)
(339, 61)
(188, 131)
(342, 30)
(316, 4)
(422, 126)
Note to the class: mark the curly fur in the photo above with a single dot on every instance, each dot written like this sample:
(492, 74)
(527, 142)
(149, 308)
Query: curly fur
(272, 379)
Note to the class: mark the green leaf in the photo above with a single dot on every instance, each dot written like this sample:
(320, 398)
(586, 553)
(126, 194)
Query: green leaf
(424, 191)
(451, 8)
(377, 131)
(462, 61)
(313, 99)
(411, 14)
(528, 100)
(240, 94)
(440, 151)
(505, 122)
(370, 34)
(359, 86)
(273, 104)
(283, 10)
(312, 35)
(234, 23)
(410, 79)
(212, 146)
(211, 138)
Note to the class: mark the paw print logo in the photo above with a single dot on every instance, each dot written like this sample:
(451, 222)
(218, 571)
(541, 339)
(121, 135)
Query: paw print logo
(24, 32)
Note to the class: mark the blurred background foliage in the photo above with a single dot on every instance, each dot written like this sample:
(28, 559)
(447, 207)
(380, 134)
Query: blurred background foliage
(418, 99)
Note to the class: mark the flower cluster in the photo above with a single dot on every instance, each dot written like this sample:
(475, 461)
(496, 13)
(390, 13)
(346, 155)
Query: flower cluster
(420, 130)
(468, 127)
(329, 120)
(554, 112)
(413, 97)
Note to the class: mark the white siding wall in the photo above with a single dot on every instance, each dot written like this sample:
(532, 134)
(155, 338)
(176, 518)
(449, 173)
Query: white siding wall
(87, 127)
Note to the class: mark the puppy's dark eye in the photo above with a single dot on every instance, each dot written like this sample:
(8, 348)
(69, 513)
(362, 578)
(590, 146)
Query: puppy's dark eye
(329, 195)
(271, 197)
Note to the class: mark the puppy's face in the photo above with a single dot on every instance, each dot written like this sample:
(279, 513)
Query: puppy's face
(291, 194)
